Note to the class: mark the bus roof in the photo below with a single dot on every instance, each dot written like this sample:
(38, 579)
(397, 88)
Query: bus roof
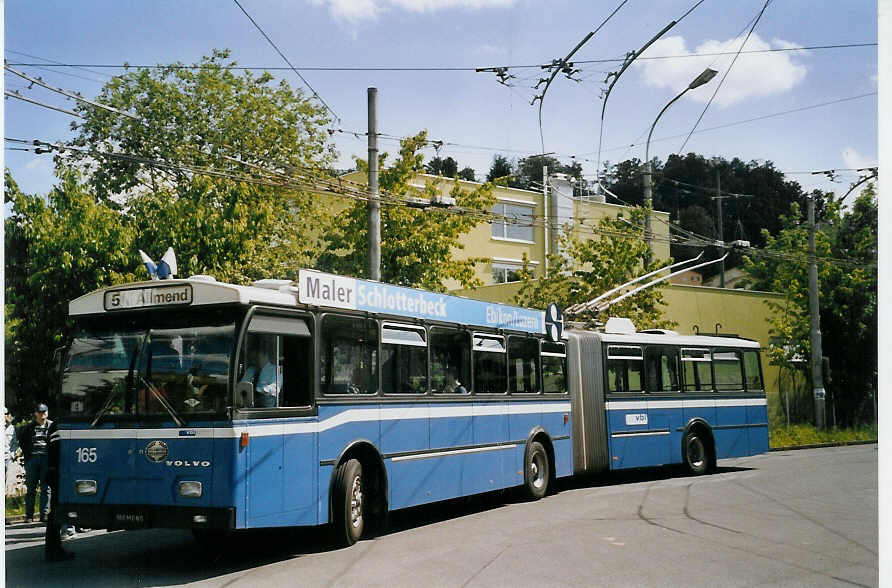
(314, 289)
(683, 340)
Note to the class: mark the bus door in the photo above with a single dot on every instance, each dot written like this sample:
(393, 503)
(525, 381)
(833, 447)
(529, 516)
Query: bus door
(664, 405)
(632, 443)
(730, 404)
(276, 359)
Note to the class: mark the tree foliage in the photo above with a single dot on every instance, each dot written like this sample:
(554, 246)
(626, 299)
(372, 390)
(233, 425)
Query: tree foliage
(239, 223)
(588, 268)
(526, 173)
(209, 115)
(417, 245)
(848, 298)
(57, 248)
(685, 186)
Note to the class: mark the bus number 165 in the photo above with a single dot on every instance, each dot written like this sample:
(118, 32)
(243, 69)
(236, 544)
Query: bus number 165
(86, 454)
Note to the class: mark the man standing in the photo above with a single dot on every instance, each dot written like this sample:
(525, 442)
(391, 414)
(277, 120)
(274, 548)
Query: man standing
(33, 440)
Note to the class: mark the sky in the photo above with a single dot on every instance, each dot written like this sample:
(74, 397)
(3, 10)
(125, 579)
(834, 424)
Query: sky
(786, 92)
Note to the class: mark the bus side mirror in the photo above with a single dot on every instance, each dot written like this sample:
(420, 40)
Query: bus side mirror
(245, 394)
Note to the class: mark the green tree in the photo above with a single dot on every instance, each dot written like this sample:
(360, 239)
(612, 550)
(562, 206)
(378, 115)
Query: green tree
(685, 186)
(57, 248)
(846, 246)
(442, 167)
(208, 115)
(417, 245)
(590, 267)
(244, 219)
(501, 168)
(467, 173)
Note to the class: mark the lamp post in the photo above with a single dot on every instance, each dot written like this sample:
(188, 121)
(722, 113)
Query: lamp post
(703, 78)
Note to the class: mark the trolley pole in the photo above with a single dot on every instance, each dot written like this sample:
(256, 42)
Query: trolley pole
(814, 312)
(374, 202)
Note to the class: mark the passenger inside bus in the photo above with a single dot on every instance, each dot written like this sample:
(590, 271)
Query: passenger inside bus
(262, 373)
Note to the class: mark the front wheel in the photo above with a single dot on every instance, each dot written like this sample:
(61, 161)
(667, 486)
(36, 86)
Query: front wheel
(537, 472)
(696, 454)
(348, 506)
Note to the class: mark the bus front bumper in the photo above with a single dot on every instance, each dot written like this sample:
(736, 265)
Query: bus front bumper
(136, 516)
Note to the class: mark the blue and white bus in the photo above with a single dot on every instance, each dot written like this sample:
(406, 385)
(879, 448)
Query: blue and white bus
(191, 403)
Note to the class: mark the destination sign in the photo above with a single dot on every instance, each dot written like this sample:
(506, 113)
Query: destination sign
(147, 297)
(321, 289)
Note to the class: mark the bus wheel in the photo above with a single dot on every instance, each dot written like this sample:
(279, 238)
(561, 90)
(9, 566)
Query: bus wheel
(696, 455)
(348, 503)
(536, 471)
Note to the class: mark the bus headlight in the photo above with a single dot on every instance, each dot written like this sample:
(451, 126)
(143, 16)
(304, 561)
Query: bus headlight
(85, 487)
(189, 489)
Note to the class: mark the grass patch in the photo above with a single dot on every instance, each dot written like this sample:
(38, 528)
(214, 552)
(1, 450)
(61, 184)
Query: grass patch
(795, 435)
(15, 506)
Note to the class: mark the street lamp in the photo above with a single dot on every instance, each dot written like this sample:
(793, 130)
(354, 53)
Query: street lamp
(703, 78)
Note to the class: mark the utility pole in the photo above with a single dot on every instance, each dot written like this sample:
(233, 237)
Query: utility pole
(718, 208)
(815, 331)
(374, 202)
(545, 206)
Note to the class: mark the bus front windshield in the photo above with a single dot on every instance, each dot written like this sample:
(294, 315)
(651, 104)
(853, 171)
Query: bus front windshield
(128, 369)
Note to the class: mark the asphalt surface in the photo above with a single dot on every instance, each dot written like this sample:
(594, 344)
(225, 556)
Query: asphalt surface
(793, 518)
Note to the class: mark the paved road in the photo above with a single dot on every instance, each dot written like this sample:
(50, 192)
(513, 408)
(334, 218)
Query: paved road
(797, 518)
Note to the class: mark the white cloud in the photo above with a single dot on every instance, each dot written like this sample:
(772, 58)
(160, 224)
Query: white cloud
(40, 164)
(855, 160)
(354, 11)
(487, 49)
(755, 75)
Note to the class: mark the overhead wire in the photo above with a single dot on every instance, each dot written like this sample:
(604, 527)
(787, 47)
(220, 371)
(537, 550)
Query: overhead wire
(474, 69)
(430, 142)
(725, 75)
(282, 55)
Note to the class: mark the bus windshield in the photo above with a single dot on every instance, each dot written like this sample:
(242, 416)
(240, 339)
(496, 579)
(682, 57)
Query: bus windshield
(143, 368)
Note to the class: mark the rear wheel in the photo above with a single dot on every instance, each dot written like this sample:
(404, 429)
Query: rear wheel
(537, 472)
(696, 454)
(347, 504)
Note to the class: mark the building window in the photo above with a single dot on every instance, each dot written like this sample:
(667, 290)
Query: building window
(503, 273)
(516, 224)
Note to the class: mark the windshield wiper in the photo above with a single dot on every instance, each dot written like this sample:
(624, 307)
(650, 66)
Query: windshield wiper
(160, 397)
(113, 394)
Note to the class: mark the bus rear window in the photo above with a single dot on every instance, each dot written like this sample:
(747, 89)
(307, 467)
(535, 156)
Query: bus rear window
(728, 369)
(753, 373)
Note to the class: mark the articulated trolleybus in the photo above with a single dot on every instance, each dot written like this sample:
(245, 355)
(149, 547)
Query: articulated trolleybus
(196, 404)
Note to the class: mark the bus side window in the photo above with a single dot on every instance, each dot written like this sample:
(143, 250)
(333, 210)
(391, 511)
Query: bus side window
(277, 360)
(349, 355)
(554, 368)
(753, 373)
(450, 351)
(523, 365)
(661, 369)
(403, 359)
(490, 364)
(625, 367)
(697, 365)
(728, 369)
